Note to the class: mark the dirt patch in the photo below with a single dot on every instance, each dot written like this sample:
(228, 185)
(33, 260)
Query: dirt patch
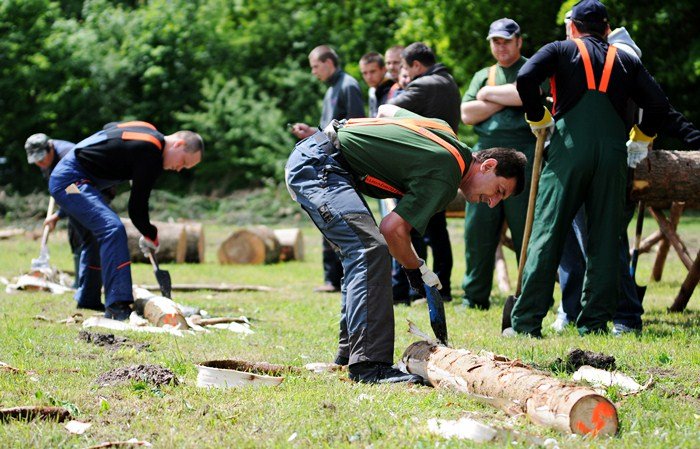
(109, 340)
(153, 374)
(576, 358)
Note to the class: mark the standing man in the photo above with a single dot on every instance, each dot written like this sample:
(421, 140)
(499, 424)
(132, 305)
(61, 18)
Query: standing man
(422, 161)
(374, 73)
(392, 58)
(120, 152)
(432, 93)
(585, 162)
(492, 105)
(343, 100)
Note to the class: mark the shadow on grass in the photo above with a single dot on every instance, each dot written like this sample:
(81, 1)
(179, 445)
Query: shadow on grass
(661, 324)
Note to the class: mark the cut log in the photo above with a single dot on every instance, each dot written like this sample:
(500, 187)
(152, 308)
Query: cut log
(689, 284)
(255, 245)
(158, 310)
(193, 250)
(291, 244)
(514, 388)
(667, 176)
(171, 237)
(9, 233)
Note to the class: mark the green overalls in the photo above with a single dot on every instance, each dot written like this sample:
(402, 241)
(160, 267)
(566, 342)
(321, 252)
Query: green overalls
(482, 225)
(586, 164)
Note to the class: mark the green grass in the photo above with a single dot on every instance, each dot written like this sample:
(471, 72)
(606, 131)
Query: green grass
(294, 326)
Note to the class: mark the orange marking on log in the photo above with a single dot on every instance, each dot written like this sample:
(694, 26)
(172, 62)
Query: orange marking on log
(600, 416)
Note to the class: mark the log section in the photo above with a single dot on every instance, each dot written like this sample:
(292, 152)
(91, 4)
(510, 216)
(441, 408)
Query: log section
(255, 245)
(193, 250)
(514, 388)
(667, 176)
(171, 237)
(291, 244)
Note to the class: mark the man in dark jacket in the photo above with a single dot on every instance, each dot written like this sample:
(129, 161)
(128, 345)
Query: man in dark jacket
(431, 93)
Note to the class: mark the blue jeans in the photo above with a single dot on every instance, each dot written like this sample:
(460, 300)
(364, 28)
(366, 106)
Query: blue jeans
(573, 266)
(108, 241)
(319, 181)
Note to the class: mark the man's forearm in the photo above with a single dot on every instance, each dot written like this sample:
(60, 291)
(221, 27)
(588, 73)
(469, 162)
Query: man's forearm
(397, 234)
(476, 111)
(505, 95)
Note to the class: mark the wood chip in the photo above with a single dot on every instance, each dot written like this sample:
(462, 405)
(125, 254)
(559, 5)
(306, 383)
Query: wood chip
(77, 427)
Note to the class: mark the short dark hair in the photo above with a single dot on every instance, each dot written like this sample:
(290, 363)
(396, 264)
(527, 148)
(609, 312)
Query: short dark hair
(420, 52)
(371, 57)
(511, 164)
(323, 53)
(193, 141)
(595, 28)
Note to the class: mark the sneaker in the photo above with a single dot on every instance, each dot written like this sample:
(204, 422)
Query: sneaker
(621, 329)
(560, 324)
(380, 373)
(119, 311)
(326, 288)
(509, 332)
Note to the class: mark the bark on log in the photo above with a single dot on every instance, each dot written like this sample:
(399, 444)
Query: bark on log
(667, 176)
(514, 388)
(291, 244)
(171, 237)
(689, 284)
(193, 250)
(255, 245)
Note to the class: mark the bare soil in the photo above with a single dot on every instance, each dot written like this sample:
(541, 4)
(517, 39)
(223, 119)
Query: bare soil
(153, 374)
(109, 340)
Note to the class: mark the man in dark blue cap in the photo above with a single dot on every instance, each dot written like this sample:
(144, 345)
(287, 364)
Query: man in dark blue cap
(591, 85)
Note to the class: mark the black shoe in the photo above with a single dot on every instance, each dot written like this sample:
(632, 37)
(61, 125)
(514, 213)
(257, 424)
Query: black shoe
(98, 307)
(119, 311)
(341, 360)
(380, 373)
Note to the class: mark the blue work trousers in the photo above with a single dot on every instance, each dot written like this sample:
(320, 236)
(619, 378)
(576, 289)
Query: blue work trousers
(324, 188)
(90, 210)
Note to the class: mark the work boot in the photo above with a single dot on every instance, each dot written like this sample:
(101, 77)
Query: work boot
(341, 360)
(119, 311)
(99, 307)
(380, 373)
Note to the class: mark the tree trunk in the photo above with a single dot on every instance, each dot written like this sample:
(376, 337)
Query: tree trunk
(667, 176)
(292, 244)
(514, 388)
(171, 237)
(193, 250)
(255, 245)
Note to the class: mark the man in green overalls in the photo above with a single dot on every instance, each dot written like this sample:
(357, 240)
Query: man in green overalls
(585, 162)
(492, 105)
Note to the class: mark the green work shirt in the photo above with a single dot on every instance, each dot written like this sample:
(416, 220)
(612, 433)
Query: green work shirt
(426, 173)
(507, 126)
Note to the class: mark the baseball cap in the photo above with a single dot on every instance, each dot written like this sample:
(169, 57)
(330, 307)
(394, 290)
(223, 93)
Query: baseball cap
(505, 28)
(591, 11)
(37, 147)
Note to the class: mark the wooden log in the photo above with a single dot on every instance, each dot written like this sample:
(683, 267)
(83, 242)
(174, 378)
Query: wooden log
(211, 287)
(171, 237)
(291, 244)
(255, 245)
(662, 252)
(667, 176)
(158, 310)
(689, 284)
(193, 250)
(649, 242)
(514, 388)
(669, 231)
(11, 232)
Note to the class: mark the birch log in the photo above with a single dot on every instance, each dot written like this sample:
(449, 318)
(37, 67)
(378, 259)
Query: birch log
(514, 388)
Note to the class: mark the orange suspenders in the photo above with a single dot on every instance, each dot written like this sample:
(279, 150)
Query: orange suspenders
(491, 81)
(607, 69)
(418, 126)
(135, 135)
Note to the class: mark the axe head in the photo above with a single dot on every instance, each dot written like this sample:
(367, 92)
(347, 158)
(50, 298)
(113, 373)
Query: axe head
(436, 311)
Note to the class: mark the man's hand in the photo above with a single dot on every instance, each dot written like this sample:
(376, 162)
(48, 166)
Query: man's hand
(331, 131)
(547, 123)
(148, 246)
(637, 147)
(51, 221)
(422, 275)
(302, 130)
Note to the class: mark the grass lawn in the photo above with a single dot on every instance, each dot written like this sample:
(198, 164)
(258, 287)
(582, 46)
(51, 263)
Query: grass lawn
(294, 326)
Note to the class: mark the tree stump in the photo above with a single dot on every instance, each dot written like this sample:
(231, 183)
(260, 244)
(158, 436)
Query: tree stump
(171, 236)
(291, 243)
(193, 250)
(514, 388)
(254, 245)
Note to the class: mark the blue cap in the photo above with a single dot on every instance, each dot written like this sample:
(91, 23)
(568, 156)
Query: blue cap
(505, 28)
(590, 11)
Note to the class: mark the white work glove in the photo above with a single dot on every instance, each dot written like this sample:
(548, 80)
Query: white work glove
(148, 246)
(331, 131)
(546, 123)
(637, 147)
(417, 277)
(429, 277)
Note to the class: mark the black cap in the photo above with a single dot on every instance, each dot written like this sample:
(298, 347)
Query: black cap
(505, 28)
(590, 11)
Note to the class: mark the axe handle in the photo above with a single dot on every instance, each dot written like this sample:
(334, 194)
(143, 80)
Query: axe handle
(49, 212)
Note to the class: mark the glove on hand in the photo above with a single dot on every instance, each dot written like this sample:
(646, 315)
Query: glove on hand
(637, 147)
(547, 123)
(148, 246)
(331, 131)
(422, 275)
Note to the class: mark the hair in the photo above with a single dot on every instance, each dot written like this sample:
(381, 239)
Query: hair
(193, 141)
(394, 48)
(323, 53)
(420, 52)
(511, 164)
(595, 28)
(373, 56)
